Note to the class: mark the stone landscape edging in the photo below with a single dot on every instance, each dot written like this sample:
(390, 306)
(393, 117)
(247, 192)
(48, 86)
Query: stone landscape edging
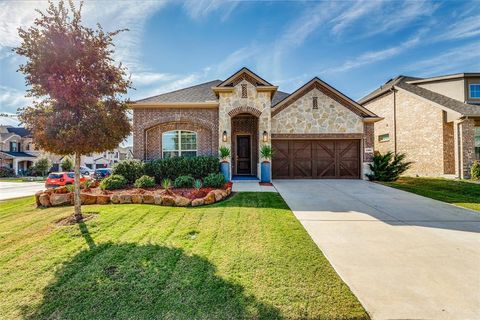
(61, 197)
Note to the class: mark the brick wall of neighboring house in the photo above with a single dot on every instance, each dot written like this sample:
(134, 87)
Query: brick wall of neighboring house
(448, 147)
(421, 132)
(383, 107)
(150, 123)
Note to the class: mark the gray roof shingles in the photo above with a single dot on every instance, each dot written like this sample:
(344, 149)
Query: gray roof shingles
(402, 82)
(199, 93)
(22, 132)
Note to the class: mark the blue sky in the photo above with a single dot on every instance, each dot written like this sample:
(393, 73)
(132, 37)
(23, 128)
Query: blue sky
(353, 45)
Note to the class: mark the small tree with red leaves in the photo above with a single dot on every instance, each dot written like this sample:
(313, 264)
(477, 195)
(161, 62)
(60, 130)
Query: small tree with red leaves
(76, 86)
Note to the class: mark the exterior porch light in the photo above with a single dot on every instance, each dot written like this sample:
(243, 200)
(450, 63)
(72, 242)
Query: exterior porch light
(224, 136)
(265, 136)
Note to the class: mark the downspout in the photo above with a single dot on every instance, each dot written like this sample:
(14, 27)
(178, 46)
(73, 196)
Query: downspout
(394, 119)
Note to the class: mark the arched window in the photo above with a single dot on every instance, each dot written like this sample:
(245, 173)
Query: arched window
(179, 143)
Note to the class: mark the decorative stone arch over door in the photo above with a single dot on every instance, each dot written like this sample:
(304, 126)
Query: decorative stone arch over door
(244, 109)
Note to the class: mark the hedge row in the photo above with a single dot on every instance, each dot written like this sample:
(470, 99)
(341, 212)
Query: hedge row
(169, 168)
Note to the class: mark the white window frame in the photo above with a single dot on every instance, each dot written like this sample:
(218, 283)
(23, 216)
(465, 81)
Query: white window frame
(385, 135)
(180, 150)
(470, 90)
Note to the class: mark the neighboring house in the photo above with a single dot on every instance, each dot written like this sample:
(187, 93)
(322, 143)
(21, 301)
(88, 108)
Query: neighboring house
(316, 132)
(98, 160)
(435, 121)
(17, 150)
(107, 159)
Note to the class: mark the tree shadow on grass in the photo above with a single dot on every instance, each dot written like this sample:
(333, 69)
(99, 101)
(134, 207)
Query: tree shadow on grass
(131, 281)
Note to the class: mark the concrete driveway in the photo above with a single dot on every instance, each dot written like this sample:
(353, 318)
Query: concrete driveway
(404, 256)
(10, 190)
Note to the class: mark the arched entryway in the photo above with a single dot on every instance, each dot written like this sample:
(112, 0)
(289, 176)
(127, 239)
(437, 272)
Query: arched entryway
(244, 144)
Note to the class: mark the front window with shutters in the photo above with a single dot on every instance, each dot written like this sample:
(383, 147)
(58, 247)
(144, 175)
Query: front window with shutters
(179, 143)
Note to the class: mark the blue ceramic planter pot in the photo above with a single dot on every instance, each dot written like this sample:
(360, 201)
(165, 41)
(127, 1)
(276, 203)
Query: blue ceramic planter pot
(265, 172)
(225, 170)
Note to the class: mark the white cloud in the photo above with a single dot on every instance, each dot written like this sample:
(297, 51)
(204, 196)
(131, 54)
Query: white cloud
(198, 9)
(466, 28)
(397, 18)
(148, 78)
(353, 14)
(11, 99)
(450, 61)
(112, 15)
(374, 56)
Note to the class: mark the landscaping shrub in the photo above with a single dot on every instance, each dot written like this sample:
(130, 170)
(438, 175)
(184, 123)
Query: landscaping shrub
(183, 182)
(115, 181)
(129, 169)
(67, 164)
(388, 167)
(475, 170)
(145, 182)
(166, 184)
(214, 180)
(171, 168)
(6, 172)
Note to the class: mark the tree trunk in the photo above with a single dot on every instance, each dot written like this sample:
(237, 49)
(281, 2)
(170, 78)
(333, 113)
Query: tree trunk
(77, 201)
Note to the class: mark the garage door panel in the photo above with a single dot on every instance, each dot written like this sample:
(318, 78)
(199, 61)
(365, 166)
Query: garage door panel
(317, 159)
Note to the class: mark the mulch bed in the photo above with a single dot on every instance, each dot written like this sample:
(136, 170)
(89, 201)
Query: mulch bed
(190, 193)
(70, 220)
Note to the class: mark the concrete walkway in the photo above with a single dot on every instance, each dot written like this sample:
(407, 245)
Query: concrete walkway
(404, 256)
(254, 186)
(10, 190)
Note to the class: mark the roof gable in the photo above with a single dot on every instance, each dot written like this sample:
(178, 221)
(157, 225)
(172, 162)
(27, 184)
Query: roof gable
(244, 74)
(328, 91)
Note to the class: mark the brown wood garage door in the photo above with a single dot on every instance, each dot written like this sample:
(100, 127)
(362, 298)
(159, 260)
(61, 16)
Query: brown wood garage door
(316, 159)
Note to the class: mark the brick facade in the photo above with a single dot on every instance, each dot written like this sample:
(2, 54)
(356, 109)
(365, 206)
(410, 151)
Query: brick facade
(150, 123)
(424, 133)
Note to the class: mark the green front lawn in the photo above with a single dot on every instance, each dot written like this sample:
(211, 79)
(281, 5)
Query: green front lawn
(247, 257)
(461, 193)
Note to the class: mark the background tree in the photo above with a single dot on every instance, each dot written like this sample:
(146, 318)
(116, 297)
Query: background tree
(77, 87)
(67, 164)
(42, 166)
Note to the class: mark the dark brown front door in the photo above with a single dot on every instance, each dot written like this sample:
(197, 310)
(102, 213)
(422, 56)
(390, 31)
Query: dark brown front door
(316, 159)
(244, 160)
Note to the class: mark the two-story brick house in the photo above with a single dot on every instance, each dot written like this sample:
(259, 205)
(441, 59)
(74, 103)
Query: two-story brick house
(17, 150)
(435, 121)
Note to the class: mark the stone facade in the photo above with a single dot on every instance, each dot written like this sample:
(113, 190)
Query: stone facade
(149, 124)
(417, 128)
(257, 103)
(329, 116)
